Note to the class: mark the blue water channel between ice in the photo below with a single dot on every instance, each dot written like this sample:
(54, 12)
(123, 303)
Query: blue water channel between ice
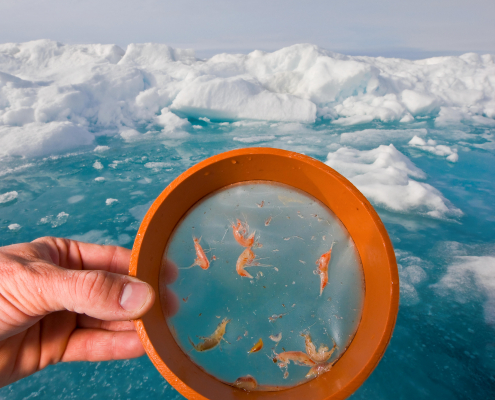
(443, 344)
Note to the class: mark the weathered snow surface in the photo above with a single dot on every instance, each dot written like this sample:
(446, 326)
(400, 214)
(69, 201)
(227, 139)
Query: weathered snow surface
(80, 89)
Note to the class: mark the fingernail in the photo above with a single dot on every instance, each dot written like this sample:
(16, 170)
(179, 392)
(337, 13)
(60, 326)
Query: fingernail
(134, 296)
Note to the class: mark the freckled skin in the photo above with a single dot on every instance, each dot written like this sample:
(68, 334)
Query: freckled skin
(213, 340)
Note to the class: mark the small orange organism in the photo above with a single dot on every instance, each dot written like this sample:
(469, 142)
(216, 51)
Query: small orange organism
(322, 269)
(319, 369)
(247, 259)
(268, 220)
(244, 260)
(240, 231)
(297, 357)
(322, 355)
(201, 259)
(257, 347)
(214, 339)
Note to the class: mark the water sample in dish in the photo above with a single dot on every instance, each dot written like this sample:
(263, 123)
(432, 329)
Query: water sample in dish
(270, 284)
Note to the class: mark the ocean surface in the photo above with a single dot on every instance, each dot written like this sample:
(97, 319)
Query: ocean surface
(90, 136)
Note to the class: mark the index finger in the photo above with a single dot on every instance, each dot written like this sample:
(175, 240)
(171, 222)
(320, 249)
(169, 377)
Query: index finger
(72, 254)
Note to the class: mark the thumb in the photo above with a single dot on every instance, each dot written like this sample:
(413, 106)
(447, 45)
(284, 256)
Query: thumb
(99, 294)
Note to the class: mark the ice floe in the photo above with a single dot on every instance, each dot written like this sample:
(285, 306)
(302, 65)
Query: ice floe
(431, 146)
(469, 276)
(54, 97)
(9, 196)
(385, 176)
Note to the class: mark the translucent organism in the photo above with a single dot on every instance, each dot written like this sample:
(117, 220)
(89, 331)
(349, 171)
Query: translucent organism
(240, 231)
(214, 339)
(323, 353)
(297, 357)
(246, 382)
(276, 338)
(201, 259)
(322, 268)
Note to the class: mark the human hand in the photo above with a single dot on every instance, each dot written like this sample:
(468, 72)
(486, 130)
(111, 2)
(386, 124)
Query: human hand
(62, 300)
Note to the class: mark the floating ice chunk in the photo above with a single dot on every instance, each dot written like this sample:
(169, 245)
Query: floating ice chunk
(139, 212)
(384, 175)
(9, 196)
(123, 239)
(467, 277)
(60, 219)
(156, 166)
(375, 137)
(240, 98)
(173, 126)
(411, 274)
(255, 139)
(38, 139)
(431, 146)
(94, 236)
(418, 103)
(97, 165)
(109, 202)
(75, 199)
(14, 227)
(129, 134)
(101, 148)
(99, 179)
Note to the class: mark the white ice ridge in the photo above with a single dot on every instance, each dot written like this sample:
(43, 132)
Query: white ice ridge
(385, 176)
(470, 276)
(431, 146)
(102, 87)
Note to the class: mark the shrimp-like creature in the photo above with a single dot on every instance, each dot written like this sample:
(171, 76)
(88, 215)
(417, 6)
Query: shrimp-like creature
(240, 231)
(322, 355)
(244, 260)
(247, 259)
(213, 340)
(322, 268)
(246, 383)
(297, 357)
(319, 369)
(201, 259)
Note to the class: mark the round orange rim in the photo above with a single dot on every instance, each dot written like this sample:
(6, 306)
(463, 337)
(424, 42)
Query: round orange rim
(381, 277)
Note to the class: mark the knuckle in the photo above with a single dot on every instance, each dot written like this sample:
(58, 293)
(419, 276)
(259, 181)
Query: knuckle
(94, 286)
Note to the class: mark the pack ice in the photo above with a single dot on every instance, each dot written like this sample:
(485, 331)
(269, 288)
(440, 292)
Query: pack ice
(83, 89)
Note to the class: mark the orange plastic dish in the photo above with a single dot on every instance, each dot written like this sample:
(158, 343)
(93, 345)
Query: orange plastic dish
(381, 300)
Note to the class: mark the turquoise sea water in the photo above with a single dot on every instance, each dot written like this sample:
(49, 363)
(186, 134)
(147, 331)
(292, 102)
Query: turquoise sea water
(443, 344)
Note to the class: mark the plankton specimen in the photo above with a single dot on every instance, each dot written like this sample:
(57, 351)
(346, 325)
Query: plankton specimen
(213, 340)
(274, 317)
(323, 353)
(246, 382)
(322, 269)
(276, 338)
(240, 231)
(257, 347)
(247, 259)
(201, 259)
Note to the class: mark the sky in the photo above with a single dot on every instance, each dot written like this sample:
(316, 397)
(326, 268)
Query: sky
(391, 28)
